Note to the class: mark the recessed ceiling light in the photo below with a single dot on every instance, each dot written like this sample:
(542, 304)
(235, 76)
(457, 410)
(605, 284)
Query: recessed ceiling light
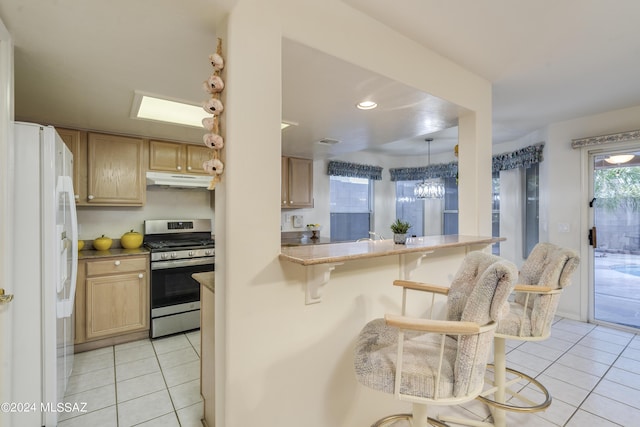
(366, 105)
(153, 107)
(328, 141)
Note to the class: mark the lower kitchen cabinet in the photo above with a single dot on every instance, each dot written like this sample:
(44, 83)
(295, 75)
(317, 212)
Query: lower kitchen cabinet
(112, 301)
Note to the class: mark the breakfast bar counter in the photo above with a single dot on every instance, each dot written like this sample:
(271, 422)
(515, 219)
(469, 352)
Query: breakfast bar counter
(340, 252)
(320, 260)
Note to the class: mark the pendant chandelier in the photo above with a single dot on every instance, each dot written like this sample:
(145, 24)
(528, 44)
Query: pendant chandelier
(429, 188)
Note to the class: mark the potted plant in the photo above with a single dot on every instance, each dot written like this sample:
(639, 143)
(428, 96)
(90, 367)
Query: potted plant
(399, 229)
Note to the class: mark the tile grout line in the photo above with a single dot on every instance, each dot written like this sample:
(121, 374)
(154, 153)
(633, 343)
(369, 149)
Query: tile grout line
(552, 362)
(165, 382)
(610, 366)
(601, 379)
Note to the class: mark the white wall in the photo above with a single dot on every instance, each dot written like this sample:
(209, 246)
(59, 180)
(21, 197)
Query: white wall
(284, 363)
(564, 187)
(161, 204)
(564, 195)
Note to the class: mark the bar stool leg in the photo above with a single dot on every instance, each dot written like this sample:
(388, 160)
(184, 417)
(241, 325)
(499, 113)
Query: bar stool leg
(500, 374)
(419, 415)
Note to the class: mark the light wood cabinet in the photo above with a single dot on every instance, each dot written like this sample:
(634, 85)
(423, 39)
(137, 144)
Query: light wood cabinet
(112, 300)
(174, 157)
(107, 169)
(76, 141)
(115, 171)
(297, 183)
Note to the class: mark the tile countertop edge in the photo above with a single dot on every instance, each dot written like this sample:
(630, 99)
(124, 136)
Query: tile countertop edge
(207, 279)
(113, 252)
(340, 252)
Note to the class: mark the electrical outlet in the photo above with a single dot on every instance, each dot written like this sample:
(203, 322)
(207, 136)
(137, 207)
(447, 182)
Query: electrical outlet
(297, 221)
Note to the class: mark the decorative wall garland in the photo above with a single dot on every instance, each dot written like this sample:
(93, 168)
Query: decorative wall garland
(213, 139)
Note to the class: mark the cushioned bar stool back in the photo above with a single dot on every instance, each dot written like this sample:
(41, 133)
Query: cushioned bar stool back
(438, 362)
(543, 276)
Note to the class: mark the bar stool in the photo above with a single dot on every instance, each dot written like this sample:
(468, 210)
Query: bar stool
(543, 276)
(437, 362)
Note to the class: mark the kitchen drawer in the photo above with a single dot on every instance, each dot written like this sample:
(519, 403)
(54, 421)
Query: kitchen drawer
(116, 265)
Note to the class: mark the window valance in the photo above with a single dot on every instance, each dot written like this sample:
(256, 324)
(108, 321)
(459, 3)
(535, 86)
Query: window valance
(439, 170)
(605, 139)
(354, 170)
(522, 158)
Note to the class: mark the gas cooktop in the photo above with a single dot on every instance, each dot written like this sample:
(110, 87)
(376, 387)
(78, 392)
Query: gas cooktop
(170, 244)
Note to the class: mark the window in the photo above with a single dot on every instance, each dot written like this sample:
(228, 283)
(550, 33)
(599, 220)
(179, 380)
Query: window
(350, 208)
(408, 208)
(495, 211)
(531, 209)
(450, 206)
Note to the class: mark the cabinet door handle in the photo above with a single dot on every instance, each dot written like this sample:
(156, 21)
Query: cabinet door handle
(76, 196)
(90, 197)
(140, 276)
(179, 168)
(5, 299)
(117, 262)
(189, 168)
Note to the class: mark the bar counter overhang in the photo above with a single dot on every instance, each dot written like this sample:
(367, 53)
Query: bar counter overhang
(321, 260)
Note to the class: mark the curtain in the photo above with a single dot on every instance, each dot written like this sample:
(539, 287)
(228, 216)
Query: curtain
(522, 158)
(354, 170)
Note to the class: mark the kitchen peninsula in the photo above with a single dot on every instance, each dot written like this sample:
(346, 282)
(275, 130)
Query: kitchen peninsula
(207, 344)
(320, 260)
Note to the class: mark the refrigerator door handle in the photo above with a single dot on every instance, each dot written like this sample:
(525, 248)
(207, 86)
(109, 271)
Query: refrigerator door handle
(65, 307)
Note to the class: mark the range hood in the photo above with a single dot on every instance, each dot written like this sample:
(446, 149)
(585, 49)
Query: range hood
(177, 180)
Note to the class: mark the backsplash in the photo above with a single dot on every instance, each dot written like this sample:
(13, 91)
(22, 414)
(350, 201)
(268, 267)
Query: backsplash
(161, 204)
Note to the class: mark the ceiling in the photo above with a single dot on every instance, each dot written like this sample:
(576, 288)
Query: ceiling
(78, 63)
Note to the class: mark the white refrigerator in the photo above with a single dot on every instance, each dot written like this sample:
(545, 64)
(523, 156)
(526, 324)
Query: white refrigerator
(45, 265)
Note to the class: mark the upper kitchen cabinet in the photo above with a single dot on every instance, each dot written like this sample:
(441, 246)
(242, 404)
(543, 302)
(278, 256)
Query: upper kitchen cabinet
(176, 157)
(297, 183)
(75, 140)
(115, 171)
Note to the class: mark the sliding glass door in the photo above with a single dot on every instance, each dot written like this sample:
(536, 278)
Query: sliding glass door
(615, 237)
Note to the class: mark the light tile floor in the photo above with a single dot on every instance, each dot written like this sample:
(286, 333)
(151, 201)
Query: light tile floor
(142, 383)
(592, 372)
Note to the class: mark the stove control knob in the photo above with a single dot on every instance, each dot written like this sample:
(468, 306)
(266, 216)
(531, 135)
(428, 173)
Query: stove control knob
(191, 253)
(208, 252)
(174, 255)
(164, 256)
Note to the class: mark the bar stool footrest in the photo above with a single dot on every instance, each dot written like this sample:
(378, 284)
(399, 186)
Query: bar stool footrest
(514, 408)
(388, 421)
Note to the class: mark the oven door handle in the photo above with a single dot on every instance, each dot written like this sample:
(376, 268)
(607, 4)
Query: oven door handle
(163, 265)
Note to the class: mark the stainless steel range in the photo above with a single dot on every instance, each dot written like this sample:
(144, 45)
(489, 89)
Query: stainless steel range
(178, 248)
